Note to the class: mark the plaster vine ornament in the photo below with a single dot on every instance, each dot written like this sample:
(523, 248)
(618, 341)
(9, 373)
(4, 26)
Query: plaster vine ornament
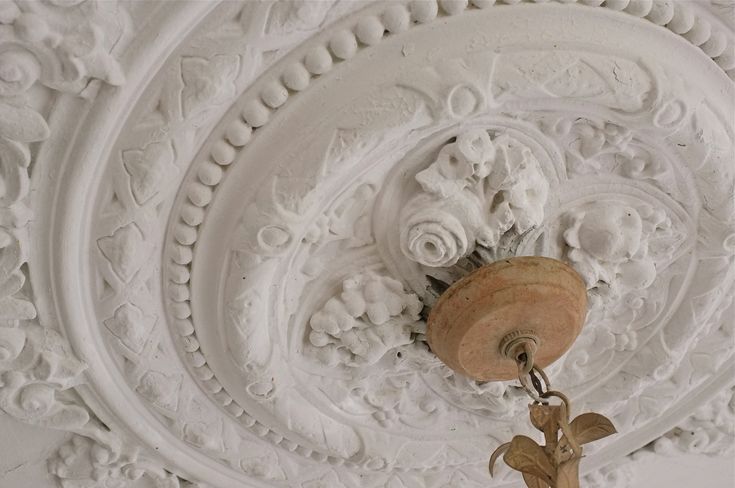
(213, 275)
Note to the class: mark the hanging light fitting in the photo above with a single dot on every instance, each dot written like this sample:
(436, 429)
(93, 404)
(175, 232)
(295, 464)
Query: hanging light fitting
(510, 319)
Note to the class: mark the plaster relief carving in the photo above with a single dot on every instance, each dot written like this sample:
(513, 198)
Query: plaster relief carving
(131, 326)
(611, 81)
(207, 82)
(708, 431)
(61, 45)
(608, 245)
(476, 190)
(371, 316)
(241, 260)
(147, 169)
(37, 381)
(84, 463)
(123, 249)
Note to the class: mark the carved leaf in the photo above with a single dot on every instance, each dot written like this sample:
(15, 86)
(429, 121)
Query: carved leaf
(306, 420)
(207, 82)
(22, 124)
(534, 482)
(496, 454)
(147, 169)
(527, 456)
(567, 475)
(590, 427)
(123, 250)
(14, 159)
(131, 326)
(60, 415)
(12, 308)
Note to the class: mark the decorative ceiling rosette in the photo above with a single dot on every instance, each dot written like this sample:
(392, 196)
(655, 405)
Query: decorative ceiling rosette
(222, 225)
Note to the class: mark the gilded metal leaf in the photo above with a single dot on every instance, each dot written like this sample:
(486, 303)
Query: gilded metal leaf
(547, 418)
(544, 416)
(534, 482)
(556, 463)
(527, 456)
(567, 474)
(500, 450)
(590, 427)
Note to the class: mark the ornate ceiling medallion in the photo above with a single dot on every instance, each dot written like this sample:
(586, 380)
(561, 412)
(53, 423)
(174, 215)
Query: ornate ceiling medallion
(217, 267)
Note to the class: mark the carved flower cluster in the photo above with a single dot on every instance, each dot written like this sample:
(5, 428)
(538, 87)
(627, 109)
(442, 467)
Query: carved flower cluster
(608, 245)
(371, 316)
(476, 190)
(85, 463)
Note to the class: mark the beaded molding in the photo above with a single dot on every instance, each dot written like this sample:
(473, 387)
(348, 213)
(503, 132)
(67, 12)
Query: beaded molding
(369, 29)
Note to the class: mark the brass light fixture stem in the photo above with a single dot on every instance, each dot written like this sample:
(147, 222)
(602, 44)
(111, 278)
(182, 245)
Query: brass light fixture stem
(507, 320)
(556, 464)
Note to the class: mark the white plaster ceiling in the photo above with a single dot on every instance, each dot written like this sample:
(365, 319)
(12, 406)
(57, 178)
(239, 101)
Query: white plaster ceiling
(218, 219)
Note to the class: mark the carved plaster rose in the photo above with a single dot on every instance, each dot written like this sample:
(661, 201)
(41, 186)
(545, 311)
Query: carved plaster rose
(476, 190)
(233, 264)
(435, 236)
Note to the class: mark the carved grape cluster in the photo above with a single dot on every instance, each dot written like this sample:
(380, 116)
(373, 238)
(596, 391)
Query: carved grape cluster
(372, 315)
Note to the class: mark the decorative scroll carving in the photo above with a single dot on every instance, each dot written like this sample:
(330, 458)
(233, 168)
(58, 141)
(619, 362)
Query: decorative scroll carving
(708, 431)
(62, 47)
(476, 190)
(38, 373)
(84, 463)
(61, 44)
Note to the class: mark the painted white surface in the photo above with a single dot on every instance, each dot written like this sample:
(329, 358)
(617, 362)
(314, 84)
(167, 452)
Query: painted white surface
(690, 471)
(25, 452)
(26, 449)
(219, 219)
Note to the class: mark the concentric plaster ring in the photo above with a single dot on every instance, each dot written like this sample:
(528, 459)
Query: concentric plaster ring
(195, 263)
